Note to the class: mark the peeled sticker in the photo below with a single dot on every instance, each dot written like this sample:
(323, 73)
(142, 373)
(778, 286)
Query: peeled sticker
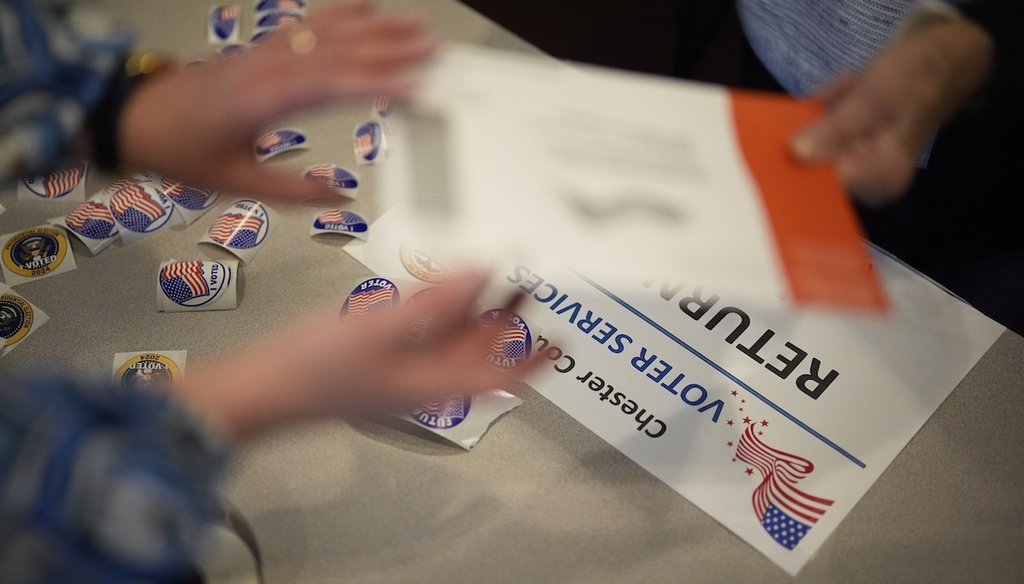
(276, 18)
(369, 296)
(342, 180)
(67, 184)
(197, 285)
(140, 210)
(340, 221)
(242, 229)
(284, 5)
(91, 223)
(280, 141)
(191, 202)
(369, 143)
(222, 24)
(233, 49)
(381, 107)
(143, 370)
(512, 343)
(36, 253)
(463, 420)
(18, 319)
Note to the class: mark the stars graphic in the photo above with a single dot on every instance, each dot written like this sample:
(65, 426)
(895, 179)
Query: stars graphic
(734, 393)
(749, 471)
(729, 444)
(746, 420)
(764, 423)
(760, 433)
(728, 422)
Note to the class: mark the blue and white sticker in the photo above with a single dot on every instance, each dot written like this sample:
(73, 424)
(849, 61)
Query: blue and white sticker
(65, 184)
(369, 143)
(260, 35)
(280, 141)
(370, 296)
(285, 5)
(92, 223)
(278, 18)
(340, 179)
(242, 228)
(197, 285)
(139, 209)
(463, 420)
(443, 413)
(222, 23)
(191, 202)
(512, 342)
(341, 221)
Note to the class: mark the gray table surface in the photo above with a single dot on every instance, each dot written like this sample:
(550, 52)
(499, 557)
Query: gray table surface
(541, 498)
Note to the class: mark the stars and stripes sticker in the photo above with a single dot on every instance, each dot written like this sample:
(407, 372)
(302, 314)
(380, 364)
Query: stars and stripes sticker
(340, 221)
(223, 23)
(333, 176)
(511, 343)
(280, 141)
(382, 107)
(196, 285)
(368, 143)
(58, 184)
(373, 295)
(183, 281)
(188, 197)
(443, 413)
(139, 209)
(91, 219)
(242, 228)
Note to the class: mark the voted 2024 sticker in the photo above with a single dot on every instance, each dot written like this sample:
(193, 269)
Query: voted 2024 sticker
(372, 295)
(36, 253)
(18, 319)
(197, 285)
(149, 369)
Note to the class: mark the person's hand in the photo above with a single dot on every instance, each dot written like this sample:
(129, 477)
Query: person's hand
(199, 124)
(877, 122)
(356, 366)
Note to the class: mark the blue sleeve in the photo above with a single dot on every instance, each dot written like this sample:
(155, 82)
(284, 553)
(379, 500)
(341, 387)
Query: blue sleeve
(101, 485)
(56, 60)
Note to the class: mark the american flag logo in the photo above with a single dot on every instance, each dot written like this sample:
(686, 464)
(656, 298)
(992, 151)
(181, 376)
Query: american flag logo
(510, 343)
(268, 140)
(382, 106)
(183, 281)
(367, 141)
(279, 19)
(116, 186)
(134, 208)
(332, 176)
(341, 220)
(223, 21)
(785, 512)
(237, 230)
(58, 183)
(452, 407)
(191, 198)
(362, 302)
(91, 219)
(277, 140)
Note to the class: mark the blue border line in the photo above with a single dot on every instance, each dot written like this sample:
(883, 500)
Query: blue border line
(722, 370)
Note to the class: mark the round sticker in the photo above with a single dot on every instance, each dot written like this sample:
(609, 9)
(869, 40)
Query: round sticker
(56, 184)
(35, 252)
(372, 295)
(191, 198)
(367, 141)
(512, 343)
(147, 371)
(139, 209)
(425, 266)
(243, 226)
(16, 318)
(341, 220)
(444, 413)
(275, 141)
(91, 219)
(332, 176)
(194, 283)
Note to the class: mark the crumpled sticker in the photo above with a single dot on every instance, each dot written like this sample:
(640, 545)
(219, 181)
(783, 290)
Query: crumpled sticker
(191, 202)
(36, 253)
(223, 23)
(65, 184)
(140, 209)
(91, 223)
(145, 370)
(280, 141)
(196, 285)
(370, 143)
(342, 180)
(342, 221)
(18, 319)
(242, 229)
(463, 420)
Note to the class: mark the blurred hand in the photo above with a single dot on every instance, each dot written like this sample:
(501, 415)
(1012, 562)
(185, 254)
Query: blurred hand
(877, 122)
(355, 366)
(199, 124)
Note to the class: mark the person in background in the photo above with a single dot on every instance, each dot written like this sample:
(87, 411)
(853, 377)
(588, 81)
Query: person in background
(106, 485)
(921, 118)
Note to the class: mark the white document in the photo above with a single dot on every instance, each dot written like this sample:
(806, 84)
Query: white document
(773, 421)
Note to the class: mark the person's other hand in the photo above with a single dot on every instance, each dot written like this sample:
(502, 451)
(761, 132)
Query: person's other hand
(199, 124)
(877, 122)
(357, 365)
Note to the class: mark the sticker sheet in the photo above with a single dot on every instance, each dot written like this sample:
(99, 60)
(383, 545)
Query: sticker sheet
(91, 223)
(242, 229)
(36, 253)
(196, 285)
(149, 369)
(18, 319)
(66, 184)
(340, 221)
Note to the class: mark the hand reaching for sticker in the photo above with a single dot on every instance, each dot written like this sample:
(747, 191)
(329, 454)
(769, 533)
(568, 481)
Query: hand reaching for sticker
(878, 122)
(198, 124)
(356, 365)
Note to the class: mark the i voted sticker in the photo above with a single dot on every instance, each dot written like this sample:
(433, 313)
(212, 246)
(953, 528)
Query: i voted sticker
(341, 221)
(191, 202)
(278, 18)
(223, 24)
(370, 296)
(280, 141)
(184, 286)
(63, 184)
(463, 420)
(512, 342)
(140, 210)
(36, 253)
(92, 223)
(19, 318)
(286, 5)
(145, 370)
(369, 143)
(242, 229)
(381, 107)
(340, 179)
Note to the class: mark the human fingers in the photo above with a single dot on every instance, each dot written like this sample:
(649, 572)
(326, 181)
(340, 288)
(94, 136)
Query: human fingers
(879, 169)
(857, 115)
(259, 182)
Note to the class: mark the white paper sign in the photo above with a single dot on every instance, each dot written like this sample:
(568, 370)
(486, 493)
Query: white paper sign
(775, 422)
(18, 319)
(196, 285)
(149, 369)
(36, 253)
